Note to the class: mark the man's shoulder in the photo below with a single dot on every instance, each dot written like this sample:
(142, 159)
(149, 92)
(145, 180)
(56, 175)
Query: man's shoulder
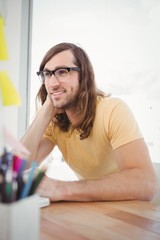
(109, 101)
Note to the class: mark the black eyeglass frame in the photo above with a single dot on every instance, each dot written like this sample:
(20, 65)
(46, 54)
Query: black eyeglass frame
(52, 72)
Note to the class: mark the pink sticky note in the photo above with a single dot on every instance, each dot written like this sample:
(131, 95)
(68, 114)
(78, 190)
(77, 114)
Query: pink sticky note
(15, 144)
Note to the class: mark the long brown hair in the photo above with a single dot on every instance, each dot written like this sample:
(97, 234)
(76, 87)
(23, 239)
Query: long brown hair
(86, 97)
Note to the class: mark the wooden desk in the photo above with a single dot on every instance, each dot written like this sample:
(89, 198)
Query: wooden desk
(123, 220)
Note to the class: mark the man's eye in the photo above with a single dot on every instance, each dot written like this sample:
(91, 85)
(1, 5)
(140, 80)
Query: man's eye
(61, 72)
(47, 74)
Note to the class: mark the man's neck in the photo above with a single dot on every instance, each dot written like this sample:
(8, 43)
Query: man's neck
(73, 116)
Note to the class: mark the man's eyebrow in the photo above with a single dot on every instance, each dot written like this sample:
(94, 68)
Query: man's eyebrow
(58, 67)
(46, 69)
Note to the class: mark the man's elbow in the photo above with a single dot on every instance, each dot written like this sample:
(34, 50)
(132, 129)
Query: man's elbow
(151, 188)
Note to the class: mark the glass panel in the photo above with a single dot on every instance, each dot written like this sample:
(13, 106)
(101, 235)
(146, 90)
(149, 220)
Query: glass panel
(122, 39)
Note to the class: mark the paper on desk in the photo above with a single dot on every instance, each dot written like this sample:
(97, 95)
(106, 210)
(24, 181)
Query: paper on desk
(15, 144)
(10, 95)
(3, 45)
(43, 202)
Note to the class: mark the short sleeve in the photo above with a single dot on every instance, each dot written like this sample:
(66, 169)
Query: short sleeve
(122, 125)
(49, 132)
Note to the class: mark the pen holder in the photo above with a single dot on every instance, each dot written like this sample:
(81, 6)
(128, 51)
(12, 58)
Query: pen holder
(20, 220)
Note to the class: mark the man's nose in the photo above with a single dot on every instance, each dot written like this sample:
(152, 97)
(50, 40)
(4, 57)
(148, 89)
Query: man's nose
(53, 80)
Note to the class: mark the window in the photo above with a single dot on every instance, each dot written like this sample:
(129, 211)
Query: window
(122, 39)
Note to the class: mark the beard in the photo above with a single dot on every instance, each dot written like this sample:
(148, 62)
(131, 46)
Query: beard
(69, 102)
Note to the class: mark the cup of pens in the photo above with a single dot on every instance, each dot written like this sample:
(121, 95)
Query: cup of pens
(19, 206)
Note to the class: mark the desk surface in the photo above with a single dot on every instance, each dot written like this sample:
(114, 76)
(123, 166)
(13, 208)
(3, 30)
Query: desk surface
(123, 220)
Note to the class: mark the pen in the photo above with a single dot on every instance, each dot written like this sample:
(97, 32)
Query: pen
(27, 186)
(1, 183)
(17, 161)
(0, 162)
(22, 166)
(7, 197)
(21, 181)
(37, 181)
(21, 177)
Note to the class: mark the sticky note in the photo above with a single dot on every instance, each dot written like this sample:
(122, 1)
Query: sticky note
(3, 44)
(14, 143)
(9, 94)
(1, 128)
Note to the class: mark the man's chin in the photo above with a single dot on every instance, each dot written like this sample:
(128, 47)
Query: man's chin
(65, 105)
(57, 106)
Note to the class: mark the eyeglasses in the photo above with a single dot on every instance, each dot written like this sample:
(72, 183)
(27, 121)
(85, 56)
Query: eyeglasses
(60, 73)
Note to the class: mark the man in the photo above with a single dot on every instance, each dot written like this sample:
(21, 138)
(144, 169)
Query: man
(96, 134)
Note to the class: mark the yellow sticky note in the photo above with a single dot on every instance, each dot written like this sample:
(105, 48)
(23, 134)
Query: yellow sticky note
(3, 44)
(10, 95)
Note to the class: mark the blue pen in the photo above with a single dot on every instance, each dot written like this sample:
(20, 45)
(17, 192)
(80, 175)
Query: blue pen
(27, 186)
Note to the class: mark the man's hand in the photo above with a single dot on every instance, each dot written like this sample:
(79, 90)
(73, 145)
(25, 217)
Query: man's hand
(51, 189)
(50, 106)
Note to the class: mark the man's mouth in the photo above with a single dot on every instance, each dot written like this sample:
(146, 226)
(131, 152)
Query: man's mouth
(57, 93)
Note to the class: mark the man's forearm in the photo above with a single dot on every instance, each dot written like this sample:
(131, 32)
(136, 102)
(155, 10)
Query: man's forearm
(34, 134)
(126, 185)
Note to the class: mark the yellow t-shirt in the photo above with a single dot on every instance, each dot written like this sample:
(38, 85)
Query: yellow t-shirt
(93, 157)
